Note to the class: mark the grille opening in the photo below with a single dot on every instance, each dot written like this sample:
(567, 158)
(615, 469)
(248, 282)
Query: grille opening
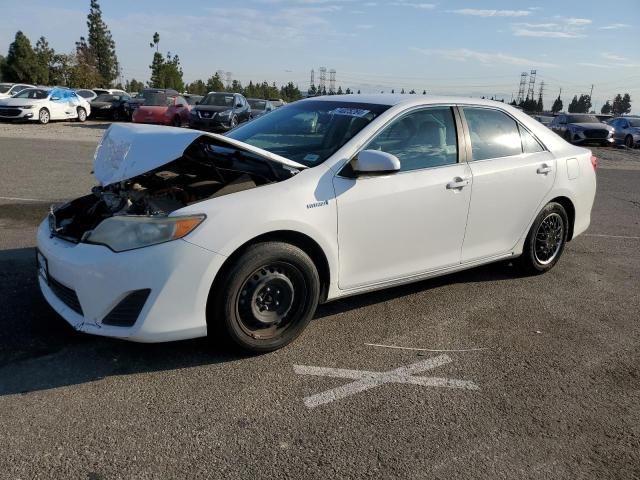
(125, 313)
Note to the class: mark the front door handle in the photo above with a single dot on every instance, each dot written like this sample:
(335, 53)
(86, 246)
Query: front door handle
(543, 170)
(458, 183)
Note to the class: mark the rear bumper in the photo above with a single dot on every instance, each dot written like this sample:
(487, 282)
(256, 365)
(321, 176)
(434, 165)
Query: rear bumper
(178, 276)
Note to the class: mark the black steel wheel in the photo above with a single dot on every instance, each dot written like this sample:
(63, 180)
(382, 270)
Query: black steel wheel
(266, 298)
(546, 239)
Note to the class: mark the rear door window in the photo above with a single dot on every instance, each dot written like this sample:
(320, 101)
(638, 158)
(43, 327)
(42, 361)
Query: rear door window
(493, 134)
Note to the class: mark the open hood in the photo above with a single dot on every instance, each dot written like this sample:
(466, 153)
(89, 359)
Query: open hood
(129, 150)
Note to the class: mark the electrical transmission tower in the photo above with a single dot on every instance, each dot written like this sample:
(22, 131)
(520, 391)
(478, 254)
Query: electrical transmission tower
(332, 80)
(229, 75)
(323, 79)
(532, 85)
(312, 83)
(523, 84)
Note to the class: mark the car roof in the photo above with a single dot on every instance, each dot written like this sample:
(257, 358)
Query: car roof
(390, 99)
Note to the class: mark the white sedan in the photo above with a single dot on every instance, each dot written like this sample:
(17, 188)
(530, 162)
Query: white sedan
(242, 235)
(10, 89)
(45, 104)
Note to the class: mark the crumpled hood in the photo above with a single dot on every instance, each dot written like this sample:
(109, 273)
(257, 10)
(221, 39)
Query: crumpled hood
(129, 150)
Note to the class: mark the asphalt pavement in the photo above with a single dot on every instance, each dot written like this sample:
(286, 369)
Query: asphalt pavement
(517, 377)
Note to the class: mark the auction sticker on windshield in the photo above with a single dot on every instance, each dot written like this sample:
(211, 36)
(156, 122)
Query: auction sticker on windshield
(351, 112)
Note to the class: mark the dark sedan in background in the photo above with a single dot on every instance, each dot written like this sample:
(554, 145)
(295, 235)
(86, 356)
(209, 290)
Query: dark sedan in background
(220, 112)
(259, 107)
(627, 131)
(582, 128)
(109, 106)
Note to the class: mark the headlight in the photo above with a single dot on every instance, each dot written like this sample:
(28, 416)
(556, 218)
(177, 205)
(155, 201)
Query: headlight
(26, 107)
(105, 107)
(128, 233)
(226, 113)
(194, 113)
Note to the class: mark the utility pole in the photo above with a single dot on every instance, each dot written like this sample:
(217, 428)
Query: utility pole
(523, 84)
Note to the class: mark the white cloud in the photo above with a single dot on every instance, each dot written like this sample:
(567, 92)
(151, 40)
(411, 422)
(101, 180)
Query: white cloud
(464, 54)
(491, 13)
(420, 5)
(562, 27)
(615, 26)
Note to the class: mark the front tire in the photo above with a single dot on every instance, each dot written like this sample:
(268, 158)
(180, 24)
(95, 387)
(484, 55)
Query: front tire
(546, 240)
(177, 122)
(628, 141)
(82, 115)
(233, 123)
(44, 116)
(567, 136)
(266, 298)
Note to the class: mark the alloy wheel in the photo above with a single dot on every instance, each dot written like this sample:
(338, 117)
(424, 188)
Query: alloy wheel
(549, 238)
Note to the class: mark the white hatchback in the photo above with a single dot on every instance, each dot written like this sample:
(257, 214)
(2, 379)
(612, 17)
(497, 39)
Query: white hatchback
(242, 235)
(45, 104)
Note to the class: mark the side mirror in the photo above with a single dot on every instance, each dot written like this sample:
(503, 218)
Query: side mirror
(238, 105)
(375, 161)
(54, 99)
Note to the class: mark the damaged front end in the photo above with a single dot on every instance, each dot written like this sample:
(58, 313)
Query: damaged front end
(148, 172)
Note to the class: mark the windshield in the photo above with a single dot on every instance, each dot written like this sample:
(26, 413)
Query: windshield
(5, 87)
(193, 100)
(634, 122)
(154, 99)
(308, 132)
(257, 104)
(33, 93)
(106, 98)
(218, 100)
(582, 119)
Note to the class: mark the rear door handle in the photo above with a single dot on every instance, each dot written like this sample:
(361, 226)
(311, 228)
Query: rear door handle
(458, 183)
(543, 170)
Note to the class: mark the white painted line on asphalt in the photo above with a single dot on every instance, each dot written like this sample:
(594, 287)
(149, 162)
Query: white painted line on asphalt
(610, 236)
(366, 379)
(16, 199)
(427, 349)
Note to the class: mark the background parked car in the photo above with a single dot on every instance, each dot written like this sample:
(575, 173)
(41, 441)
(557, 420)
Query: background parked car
(259, 107)
(111, 91)
(163, 108)
(277, 102)
(139, 99)
(87, 94)
(544, 119)
(109, 106)
(220, 111)
(192, 99)
(626, 131)
(44, 105)
(10, 89)
(582, 128)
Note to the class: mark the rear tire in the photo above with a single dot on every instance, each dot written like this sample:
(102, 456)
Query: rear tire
(546, 240)
(44, 116)
(177, 122)
(266, 298)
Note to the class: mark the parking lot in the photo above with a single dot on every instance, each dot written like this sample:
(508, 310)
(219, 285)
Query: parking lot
(481, 374)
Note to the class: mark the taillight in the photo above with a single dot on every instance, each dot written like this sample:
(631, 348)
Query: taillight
(594, 162)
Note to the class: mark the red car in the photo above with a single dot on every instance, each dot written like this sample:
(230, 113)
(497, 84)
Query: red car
(163, 108)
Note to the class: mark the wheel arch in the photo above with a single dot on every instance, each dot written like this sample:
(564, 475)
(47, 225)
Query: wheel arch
(571, 212)
(292, 237)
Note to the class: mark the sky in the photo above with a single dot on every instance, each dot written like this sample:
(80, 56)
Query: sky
(470, 48)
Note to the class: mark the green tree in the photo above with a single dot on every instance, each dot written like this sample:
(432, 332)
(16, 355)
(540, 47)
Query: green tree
(102, 46)
(157, 63)
(557, 105)
(606, 108)
(133, 85)
(621, 104)
(2, 63)
(44, 59)
(424, 92)
(197, 87)
(84, 73)
(61, 69)
(171, 73)
(290, 92)
(312, 92)
(339, 92)
(401, 92)
(214, 84)
(21, 64)
(573, 106)
(412, 92)
(584, 104)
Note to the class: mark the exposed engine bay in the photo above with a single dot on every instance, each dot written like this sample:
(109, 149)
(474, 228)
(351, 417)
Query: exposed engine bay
(206, 170)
